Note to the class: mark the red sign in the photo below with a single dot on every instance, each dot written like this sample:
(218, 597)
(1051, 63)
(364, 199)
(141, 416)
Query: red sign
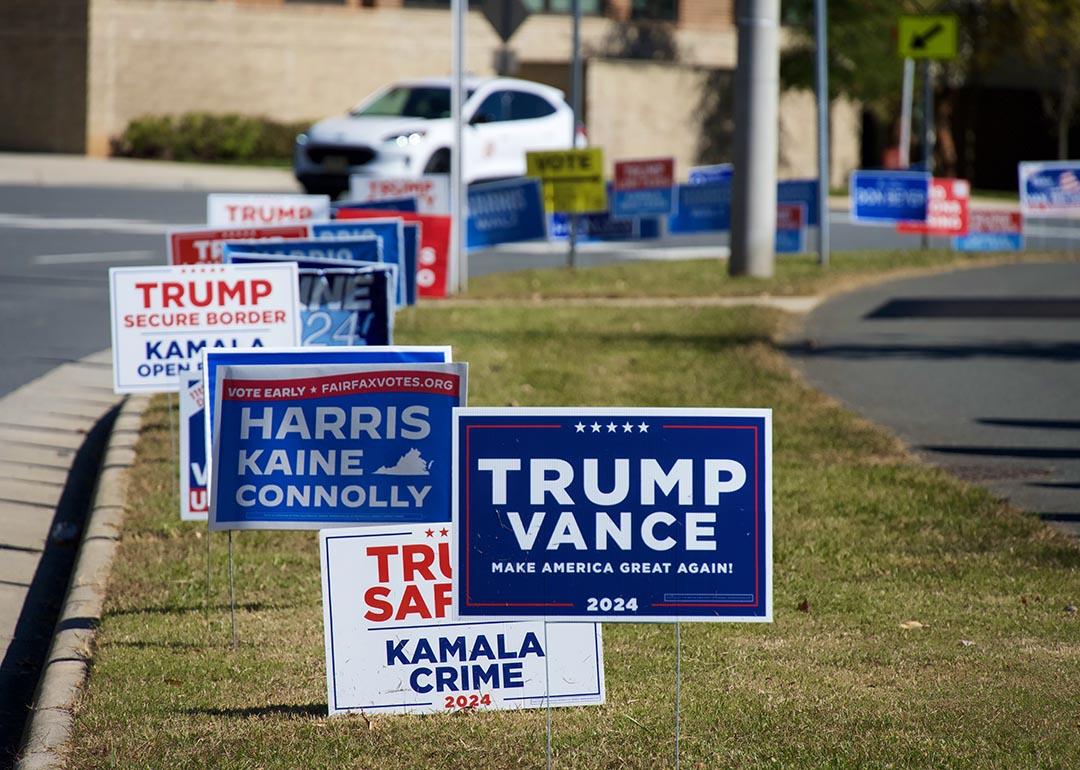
(981, 221)
(433, 261)
(790, 216)
(947, 211)
(204, 247)
(644, 174)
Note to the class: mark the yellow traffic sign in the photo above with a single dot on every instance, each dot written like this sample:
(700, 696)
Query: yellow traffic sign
(927, 37)
(573, 180)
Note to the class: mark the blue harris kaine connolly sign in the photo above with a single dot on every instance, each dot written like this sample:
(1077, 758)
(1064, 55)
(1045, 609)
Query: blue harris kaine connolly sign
(889, 196)
(311, 447)
(614, 514)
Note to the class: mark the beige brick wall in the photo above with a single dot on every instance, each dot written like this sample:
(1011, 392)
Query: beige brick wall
(43, 75)
(645, 109)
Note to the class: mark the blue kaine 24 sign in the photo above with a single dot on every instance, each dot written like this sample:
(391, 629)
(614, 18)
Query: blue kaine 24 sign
(311, 447)
(614, 514)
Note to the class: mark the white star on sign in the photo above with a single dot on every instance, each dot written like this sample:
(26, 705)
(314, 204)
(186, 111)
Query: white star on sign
(595, 427)
(642, 428)
(627, 427)
(580, 428)
(611, 427)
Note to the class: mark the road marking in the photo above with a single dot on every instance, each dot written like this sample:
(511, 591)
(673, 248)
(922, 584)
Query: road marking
(93, 256)
(31, 222)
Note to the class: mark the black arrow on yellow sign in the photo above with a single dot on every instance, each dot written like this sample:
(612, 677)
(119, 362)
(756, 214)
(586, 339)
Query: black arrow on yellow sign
(918, 42)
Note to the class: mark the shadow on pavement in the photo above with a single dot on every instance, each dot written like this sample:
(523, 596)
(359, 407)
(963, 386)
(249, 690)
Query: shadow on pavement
(978, 308)
(1054, 351)
(22, 663)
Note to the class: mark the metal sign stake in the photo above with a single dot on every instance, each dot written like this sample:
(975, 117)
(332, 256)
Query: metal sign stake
(232, 595)
(547, 692)
(678, 690)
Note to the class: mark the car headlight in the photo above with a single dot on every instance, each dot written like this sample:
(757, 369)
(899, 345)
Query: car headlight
(301, 139)
(406, 139)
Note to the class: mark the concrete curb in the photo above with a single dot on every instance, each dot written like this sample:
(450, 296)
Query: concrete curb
(51, 718)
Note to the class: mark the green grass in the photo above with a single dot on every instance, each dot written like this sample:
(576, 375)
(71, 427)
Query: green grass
(795, 275)
(864, 533)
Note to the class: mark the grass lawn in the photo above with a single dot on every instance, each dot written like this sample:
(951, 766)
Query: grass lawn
(866, 539)
(795, 275)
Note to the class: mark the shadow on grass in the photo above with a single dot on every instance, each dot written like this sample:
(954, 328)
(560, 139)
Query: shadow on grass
(312, 710)
(188, 608)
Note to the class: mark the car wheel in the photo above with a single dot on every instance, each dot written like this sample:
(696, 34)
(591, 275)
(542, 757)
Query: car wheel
(439, 162)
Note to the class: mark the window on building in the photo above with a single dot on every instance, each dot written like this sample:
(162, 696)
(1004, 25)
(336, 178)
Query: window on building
(659, 10)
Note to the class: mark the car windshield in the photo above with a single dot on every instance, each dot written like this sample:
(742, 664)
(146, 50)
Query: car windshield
(426, 102)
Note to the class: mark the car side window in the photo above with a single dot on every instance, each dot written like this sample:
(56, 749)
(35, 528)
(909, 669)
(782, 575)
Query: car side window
(526, 106)
(494, 109)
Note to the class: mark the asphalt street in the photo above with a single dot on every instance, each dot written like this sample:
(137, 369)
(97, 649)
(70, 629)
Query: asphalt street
(978, 370)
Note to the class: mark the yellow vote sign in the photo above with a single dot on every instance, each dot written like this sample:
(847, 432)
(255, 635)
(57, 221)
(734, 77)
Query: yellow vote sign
(927, 37)
(573, 180)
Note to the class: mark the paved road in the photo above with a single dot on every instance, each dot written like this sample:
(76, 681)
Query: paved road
(979, 370)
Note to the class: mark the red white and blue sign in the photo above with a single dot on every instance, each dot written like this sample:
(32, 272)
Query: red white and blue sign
(634, 514)
(992, 231)
(889, 196)
(193, 469)
(791, 228)
(1050, 188)
(643, 187)
(299, 447)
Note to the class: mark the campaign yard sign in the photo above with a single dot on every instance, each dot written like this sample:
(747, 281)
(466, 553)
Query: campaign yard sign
(200, 246)
(243, 210)
(643, 187)
(392, 645)
(431, 191)
(573, 179)
(889, 196)
(389, 231)
(947, 211)
(702, 207)
(410, 250)
(389, 205)
(299, 447)
(718, 172)
(505, 212)
(801, 191)
(164, 317)
(634, 514)
(193, 486)
(360, 248)
(348, 306)
(992, 231)
(790, 228)
(1050, 188)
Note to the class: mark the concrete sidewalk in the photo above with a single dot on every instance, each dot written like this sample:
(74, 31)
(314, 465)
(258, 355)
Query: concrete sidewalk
(51, 438)
(55, 170)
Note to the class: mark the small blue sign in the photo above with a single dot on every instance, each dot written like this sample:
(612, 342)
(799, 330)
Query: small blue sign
(348, 306)
(1050, 188)
(889, 196)
(646, 514)
(390, 230)
(365, 248)
(505, 212)
(719, 172)
(636, 203)
(407, 205)
(311, 263)
(801, 191)
(701, 208)
(989, 242)
(311, 447)
(593, 227)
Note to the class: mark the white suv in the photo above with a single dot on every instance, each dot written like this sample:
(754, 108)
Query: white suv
(405, 130)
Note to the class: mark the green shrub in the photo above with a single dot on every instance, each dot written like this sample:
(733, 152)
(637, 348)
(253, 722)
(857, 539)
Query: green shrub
(202, 136)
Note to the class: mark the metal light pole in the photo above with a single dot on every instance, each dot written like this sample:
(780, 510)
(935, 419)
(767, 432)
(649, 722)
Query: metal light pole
(459, 259)
(757, 93)
(575, 106)
(906, 96)
(823, 140)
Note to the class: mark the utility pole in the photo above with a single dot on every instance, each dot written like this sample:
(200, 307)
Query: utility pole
(458, 257)
(757, 93)
(823, 133)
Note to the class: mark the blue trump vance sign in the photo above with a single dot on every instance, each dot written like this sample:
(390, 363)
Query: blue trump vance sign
(614, 514)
